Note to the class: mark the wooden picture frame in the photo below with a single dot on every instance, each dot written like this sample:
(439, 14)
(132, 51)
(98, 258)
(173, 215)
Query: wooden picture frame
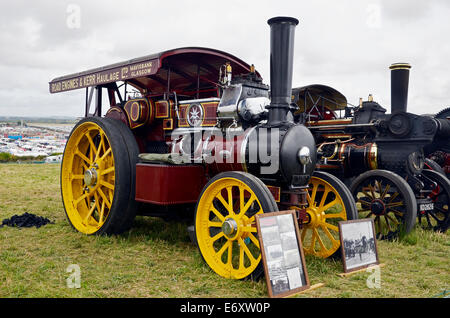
(282, 253)
(358, 244)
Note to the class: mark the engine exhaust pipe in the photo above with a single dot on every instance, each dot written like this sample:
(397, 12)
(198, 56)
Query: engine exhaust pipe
(399, 87)
(282, 31)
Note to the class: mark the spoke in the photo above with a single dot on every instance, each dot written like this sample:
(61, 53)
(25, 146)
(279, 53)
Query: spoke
(372, 191)
(387, 223)
(248, 204)
(214, 224)
(378, 184)
(241, 201)
(393, 197)
(363, 202)
(246, 250)
(107, 152)
(332, 227)
(89, 213)
(107, 184)
(81, 198)
(94, 150)
(253, 239)
(368, 215)
(76, 177)
(225, 204)
(230, 199)
(217, 213)
(394, 204)
(324, 197)
(241, 254)
(230, 255)
(335, 215)
(367, 194)
(216, 237)
(82, 156)
(319, 240)
(400, 214)
(105, 199)
(106, 171)
(331, 204)
(100, 145)
(330, 236)
(392, 219)
(223, 248)
(313, 193)
(388, 186)
(102, 213)
(434, 216)
(249, 229)
(313, 240)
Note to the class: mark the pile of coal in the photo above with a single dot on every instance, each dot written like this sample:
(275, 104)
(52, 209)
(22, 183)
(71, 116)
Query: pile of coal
(26, 220)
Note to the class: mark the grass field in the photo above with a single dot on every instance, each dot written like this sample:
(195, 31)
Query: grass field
(157, 259)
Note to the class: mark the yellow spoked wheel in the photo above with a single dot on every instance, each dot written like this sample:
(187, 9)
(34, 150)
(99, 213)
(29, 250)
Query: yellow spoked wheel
(225, 224)
(95, 177)
(329, 201)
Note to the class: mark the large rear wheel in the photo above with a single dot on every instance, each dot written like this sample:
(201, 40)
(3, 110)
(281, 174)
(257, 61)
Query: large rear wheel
(388, 199)
(96, 178)
(225, 224)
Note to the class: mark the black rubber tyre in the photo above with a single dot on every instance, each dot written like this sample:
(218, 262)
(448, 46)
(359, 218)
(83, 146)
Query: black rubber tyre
(118, 216)
(388, 199)
(437, 219)
(133, 154)
(212, 238)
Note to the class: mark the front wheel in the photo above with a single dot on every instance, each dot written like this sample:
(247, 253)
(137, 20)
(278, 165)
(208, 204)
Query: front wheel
(225, 225)
(329, 201)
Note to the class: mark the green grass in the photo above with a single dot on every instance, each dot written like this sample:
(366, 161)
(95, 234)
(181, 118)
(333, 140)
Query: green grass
(156, 258)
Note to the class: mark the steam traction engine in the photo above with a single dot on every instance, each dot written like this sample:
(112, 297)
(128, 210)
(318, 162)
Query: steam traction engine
(380, 156)
(202, 131)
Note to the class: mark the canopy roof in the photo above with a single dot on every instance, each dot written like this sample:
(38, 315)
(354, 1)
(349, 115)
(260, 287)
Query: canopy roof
(183, 68)
(319, 95)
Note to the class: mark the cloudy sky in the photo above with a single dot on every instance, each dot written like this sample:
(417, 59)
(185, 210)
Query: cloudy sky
(348, 45)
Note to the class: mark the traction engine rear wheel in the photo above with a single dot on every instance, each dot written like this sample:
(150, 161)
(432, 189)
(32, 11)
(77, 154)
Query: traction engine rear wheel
(225, 224)
(97, 177)
(329, 201)
(388, 199)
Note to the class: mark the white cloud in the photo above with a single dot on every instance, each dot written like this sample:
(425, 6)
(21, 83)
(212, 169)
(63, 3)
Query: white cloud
(343, 44)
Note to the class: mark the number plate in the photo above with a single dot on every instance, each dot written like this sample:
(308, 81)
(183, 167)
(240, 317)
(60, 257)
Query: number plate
(426, 207)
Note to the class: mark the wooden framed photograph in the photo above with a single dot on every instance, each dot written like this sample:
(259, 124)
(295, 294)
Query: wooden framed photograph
(358, 244)
(282, 253)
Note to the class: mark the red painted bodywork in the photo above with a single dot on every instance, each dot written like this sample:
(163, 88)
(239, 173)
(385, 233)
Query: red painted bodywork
(169, 184)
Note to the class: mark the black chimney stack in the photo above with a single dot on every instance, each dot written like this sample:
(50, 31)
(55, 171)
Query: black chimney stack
(399, 87)
(282, 31)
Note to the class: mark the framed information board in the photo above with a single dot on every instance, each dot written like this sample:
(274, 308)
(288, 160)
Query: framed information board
(282, 253)
(358, 244)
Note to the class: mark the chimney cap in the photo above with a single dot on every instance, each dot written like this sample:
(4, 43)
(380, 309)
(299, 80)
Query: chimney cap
(283, 20)
(400, 66)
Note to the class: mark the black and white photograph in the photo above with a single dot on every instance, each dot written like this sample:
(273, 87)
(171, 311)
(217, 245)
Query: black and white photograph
(358, 243)
(282, 253)
(288, 240)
